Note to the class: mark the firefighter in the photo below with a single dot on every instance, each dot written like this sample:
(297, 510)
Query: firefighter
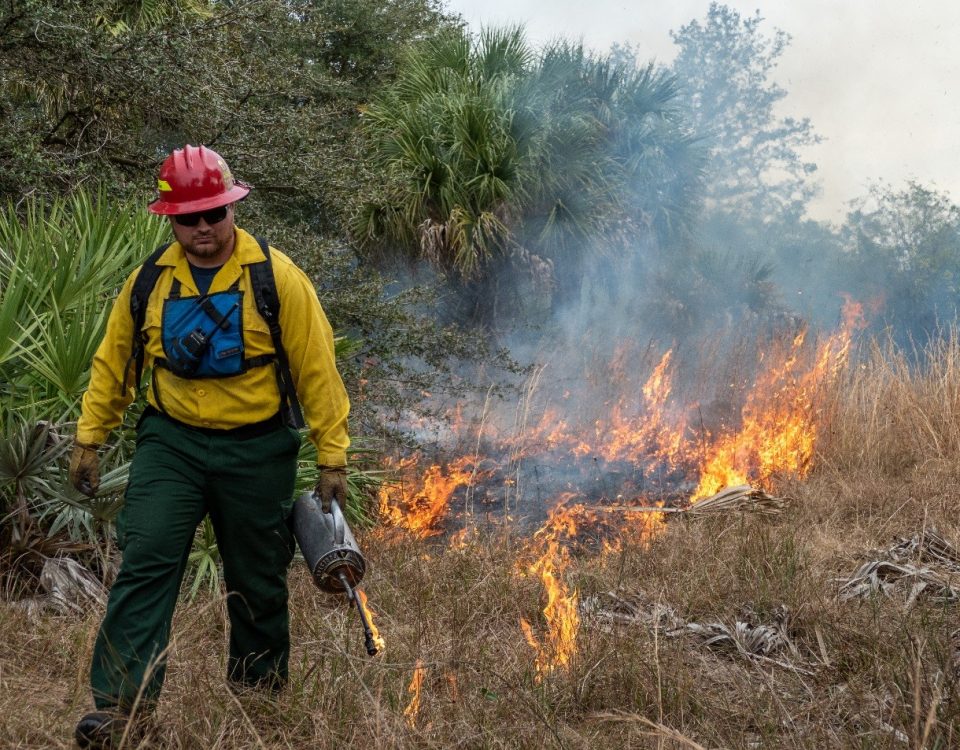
(218, 436)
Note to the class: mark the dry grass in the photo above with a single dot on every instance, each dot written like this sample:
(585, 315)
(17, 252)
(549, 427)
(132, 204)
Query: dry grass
(875, 671)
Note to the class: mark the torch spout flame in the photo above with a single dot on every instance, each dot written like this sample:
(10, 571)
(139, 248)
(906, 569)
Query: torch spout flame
(371, 642)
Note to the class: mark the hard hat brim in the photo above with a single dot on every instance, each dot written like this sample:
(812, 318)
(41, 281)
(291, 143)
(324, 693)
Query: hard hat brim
(239, 191)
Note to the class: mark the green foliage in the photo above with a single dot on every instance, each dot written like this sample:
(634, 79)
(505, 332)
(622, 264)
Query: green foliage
(59, 268)
(29, 453)
(445, 135)
(358, 42)
(903, 256)
(204, 560)
(502, 161)
(99, 92)
(122, 16)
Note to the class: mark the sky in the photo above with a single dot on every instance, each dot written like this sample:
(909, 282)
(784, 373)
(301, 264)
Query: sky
(879, 79)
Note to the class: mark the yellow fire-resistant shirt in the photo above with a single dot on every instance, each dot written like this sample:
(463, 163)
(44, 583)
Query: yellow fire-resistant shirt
(225, 403)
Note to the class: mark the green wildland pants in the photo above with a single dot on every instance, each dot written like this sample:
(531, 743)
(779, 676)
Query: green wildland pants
(245, 481)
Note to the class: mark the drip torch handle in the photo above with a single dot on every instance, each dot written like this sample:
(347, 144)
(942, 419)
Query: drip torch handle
(368, 641)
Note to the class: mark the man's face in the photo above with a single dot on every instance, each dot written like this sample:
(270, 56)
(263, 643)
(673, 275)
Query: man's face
(208, 239)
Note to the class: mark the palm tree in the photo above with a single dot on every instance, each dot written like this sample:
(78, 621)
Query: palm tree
(498, 159)
(451, 152)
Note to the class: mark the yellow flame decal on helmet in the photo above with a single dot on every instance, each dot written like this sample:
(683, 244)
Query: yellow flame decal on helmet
(163, 186)
(225, 173)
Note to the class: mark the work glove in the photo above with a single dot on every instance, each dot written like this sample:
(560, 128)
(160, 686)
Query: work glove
(332, 484)
(85, 468)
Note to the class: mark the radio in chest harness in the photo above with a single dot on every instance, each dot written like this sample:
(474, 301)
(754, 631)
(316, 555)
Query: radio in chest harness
(202, 336)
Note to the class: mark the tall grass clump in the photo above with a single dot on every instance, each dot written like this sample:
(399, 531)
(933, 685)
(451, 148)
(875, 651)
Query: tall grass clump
(896, 410)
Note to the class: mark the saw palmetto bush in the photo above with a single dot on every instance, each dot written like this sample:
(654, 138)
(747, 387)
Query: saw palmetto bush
(60, 266)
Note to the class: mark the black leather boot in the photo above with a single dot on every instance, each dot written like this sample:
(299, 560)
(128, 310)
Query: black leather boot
(100, 730)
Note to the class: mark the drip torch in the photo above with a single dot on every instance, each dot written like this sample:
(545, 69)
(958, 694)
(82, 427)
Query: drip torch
(332, 554)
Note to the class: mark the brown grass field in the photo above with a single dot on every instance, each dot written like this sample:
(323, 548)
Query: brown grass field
(878, 671)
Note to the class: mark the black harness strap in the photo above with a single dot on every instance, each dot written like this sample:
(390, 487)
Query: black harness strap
(268, 305)
(139, 296)
(219, 321)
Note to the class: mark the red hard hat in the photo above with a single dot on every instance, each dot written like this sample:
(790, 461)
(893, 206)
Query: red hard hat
(195, 178)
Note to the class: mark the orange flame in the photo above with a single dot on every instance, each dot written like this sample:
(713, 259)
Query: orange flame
(560, 612)
(656, 431)
(628, 433)
(416, 682)
(377, 638)
(646, 427)
(459, 540)
(420, 507)
(780, 419)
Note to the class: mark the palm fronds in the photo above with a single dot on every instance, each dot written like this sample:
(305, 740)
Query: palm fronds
(765, 642)
(491, 150)
(740, 499)
(70, 589)
(925, 565)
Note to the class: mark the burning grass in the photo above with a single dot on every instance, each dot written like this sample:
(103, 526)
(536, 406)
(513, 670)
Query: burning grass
(712, 627)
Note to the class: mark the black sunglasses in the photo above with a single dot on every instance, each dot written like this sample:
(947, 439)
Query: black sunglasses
(213, 216)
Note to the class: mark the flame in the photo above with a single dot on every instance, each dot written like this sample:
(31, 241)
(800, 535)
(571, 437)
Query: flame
(650, 435)
(377, 638)
(416, 682)
(560, 612)
(652, 429)
(460, 540)
(419, 507)
(655, 431)
(452, 686)
(781, 416)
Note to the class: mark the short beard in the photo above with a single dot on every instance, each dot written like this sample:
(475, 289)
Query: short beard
(207, 251)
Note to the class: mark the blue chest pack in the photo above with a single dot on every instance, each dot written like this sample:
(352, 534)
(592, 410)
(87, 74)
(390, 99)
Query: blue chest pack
(202, 337)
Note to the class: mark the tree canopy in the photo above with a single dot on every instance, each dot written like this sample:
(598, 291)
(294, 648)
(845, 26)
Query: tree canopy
(725, 64)
(99, 92)
(498, 155)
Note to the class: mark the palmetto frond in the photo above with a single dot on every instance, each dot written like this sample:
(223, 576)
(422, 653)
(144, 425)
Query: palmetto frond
(447, 141)
(120, 16)
(60, 264)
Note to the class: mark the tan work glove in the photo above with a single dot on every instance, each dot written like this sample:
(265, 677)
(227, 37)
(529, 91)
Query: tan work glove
(85, 468)
(332, 484)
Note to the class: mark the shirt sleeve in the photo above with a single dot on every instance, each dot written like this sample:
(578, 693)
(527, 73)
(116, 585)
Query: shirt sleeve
(106, 399)
(308, 341)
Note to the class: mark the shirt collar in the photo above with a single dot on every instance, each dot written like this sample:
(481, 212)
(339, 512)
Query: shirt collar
(246, 250)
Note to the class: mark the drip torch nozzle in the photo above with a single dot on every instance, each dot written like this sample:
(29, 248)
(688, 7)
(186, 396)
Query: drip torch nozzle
(368, 641)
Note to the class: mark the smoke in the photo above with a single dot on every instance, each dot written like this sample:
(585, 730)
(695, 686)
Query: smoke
(648, 305)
